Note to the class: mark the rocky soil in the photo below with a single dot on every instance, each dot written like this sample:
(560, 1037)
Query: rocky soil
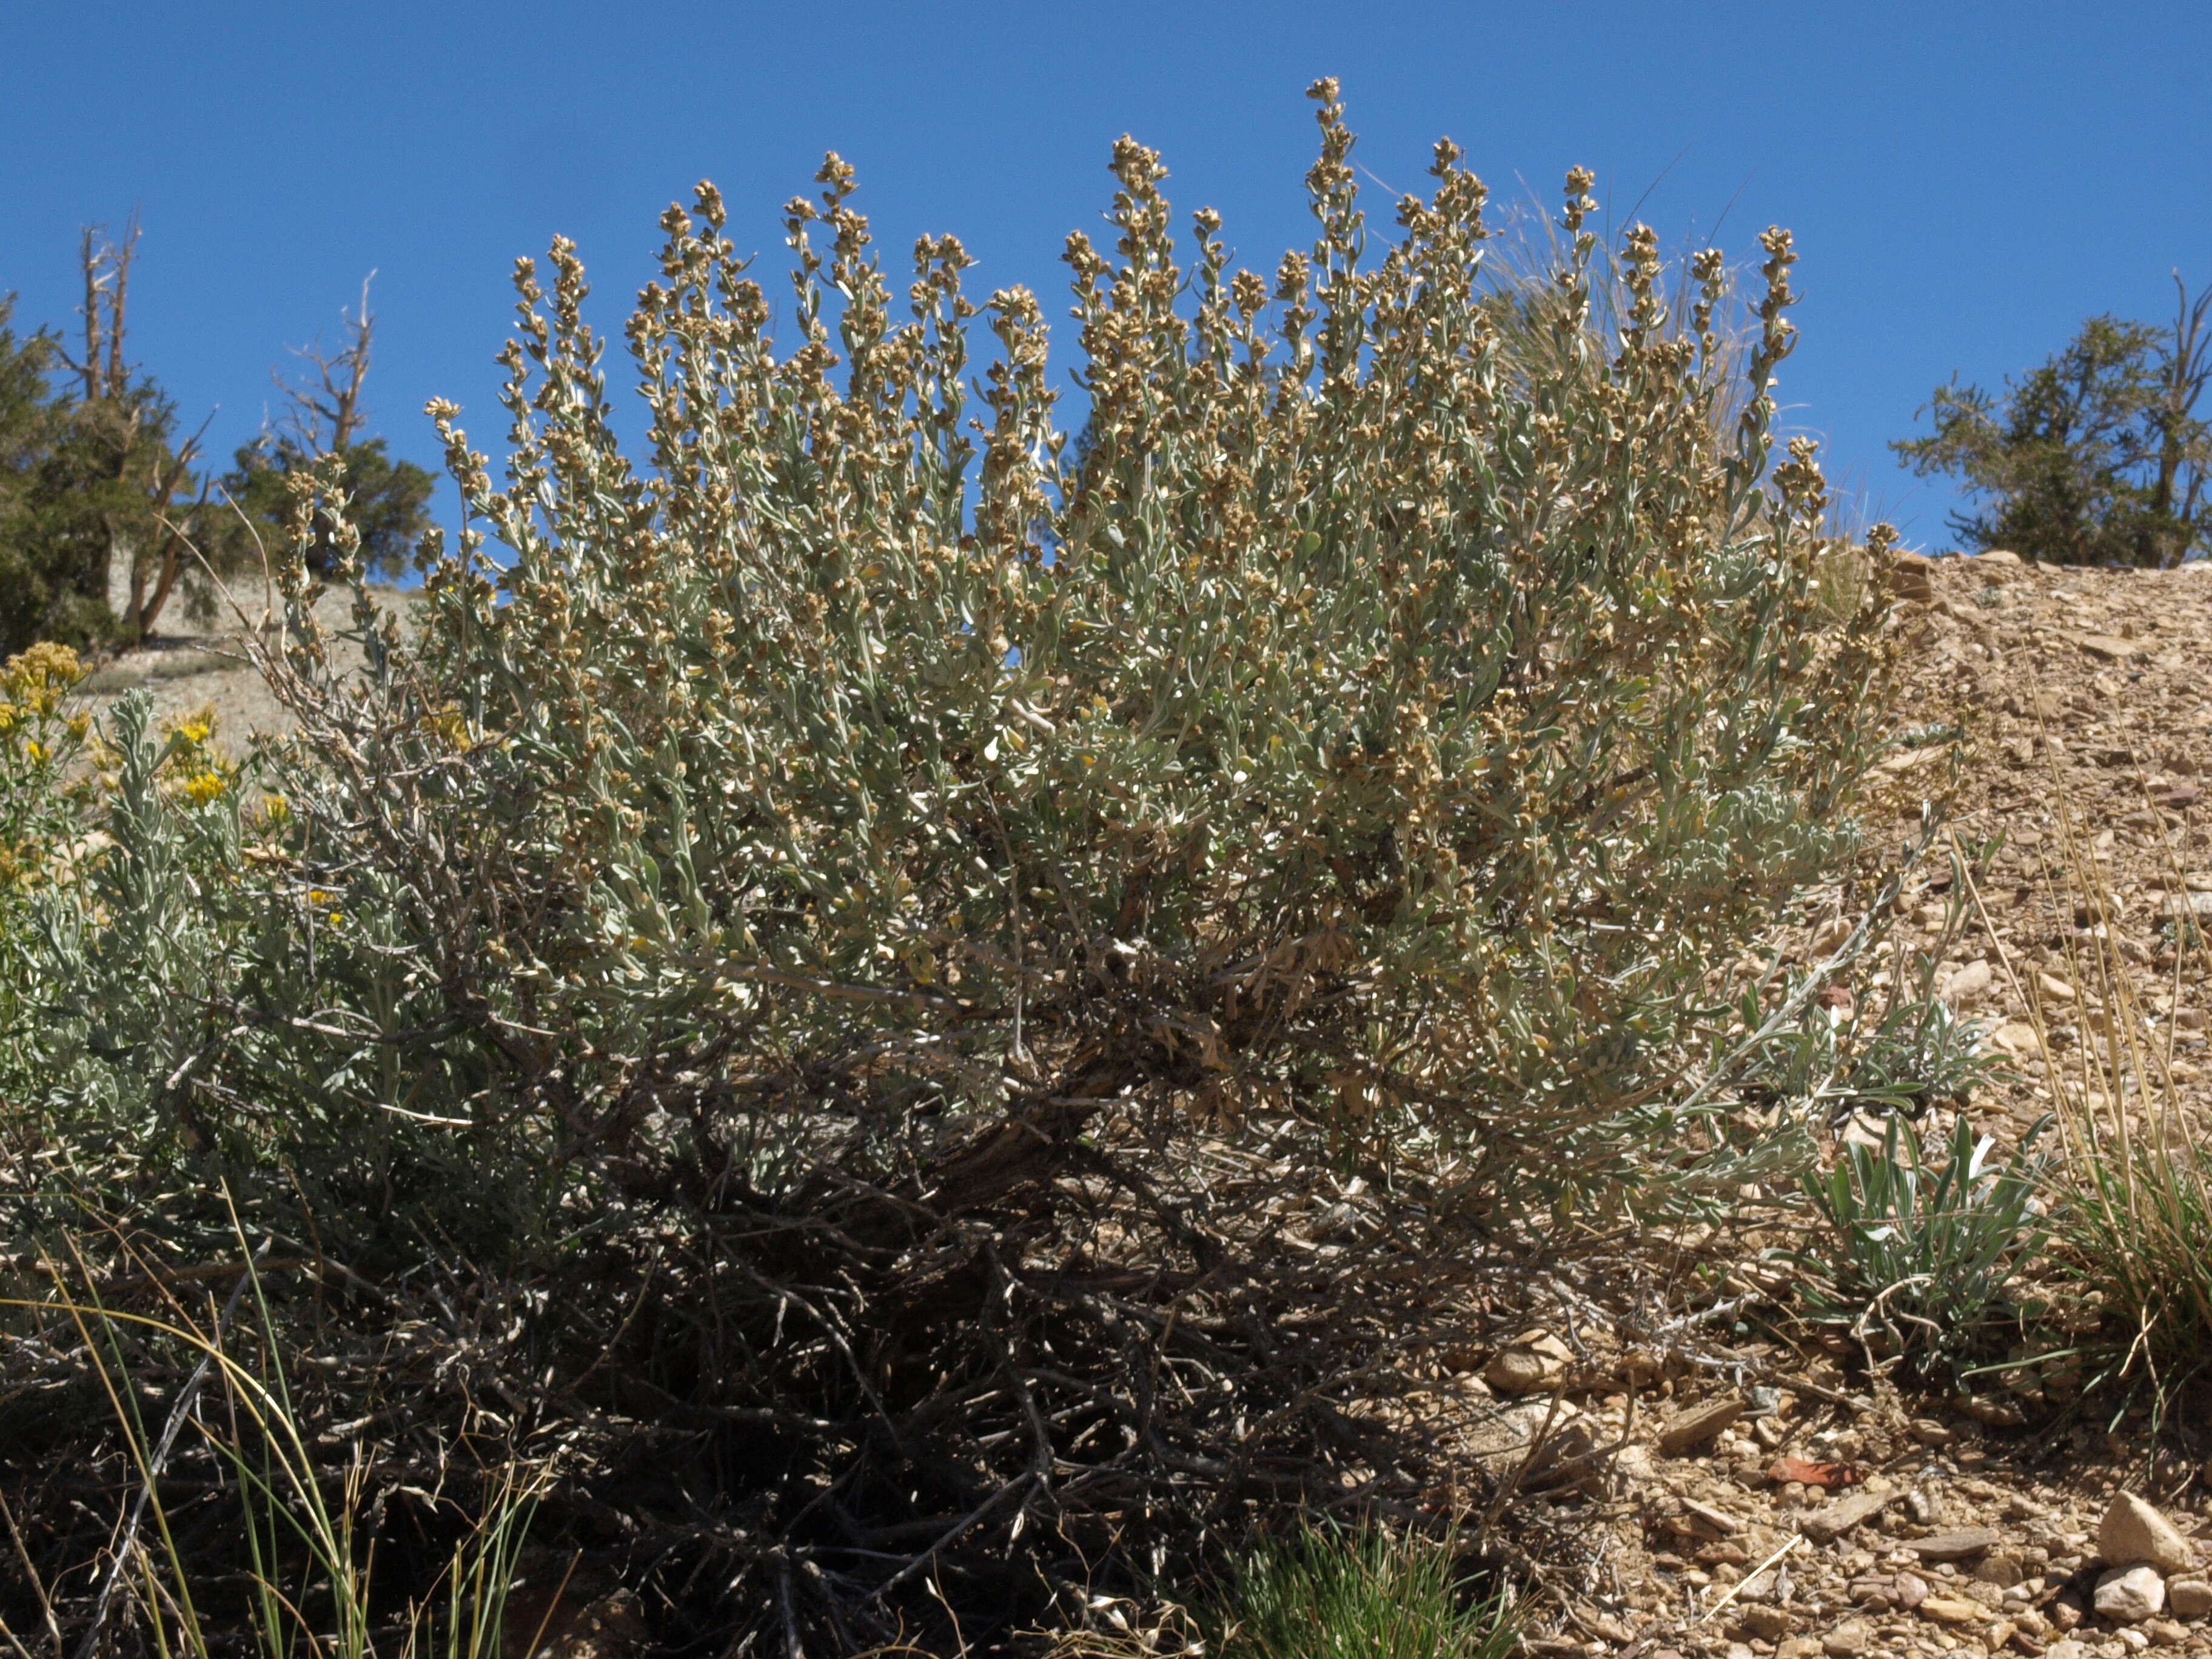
(2086, 696)
(1756, 1497)
(1812, 1522)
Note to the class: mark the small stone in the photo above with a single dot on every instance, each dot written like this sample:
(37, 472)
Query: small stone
(2107, 648)
(1833, 1520)
(2189, 1598)
(1799, 1647)
(1766, 1621)
(1699, 1424)
(1952, 1610)
(2067, 1648)
(1998, 1568)
(2054, 989)
(1910, 1591)
(1848, 1640)
(1967, 984)
(2133, 1531)
(1954, 1546)
(2127, 1639)
(1928, 1432)
(2164, 1633)
(2128, 1596)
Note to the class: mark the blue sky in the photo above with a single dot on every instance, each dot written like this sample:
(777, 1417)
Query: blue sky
(1966, 181)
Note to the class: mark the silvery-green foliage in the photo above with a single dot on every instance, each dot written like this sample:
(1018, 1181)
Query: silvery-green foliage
(1919, 1256)
(1907, 1051)
(123, 962)
(1422, 680)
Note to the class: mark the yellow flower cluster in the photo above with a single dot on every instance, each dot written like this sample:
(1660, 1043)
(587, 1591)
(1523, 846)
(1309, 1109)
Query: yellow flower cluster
(36, 742)
(197, 776)
(31, 685)
(201, 788)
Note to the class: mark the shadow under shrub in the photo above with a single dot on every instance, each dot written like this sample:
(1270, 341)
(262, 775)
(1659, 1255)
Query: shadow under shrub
(902, 924)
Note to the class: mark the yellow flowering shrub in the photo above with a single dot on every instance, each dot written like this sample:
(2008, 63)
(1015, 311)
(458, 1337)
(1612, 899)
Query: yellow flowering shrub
(39, 740)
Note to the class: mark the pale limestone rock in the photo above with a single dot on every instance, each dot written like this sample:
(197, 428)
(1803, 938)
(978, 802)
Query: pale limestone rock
(2189, 1598)
(2134, 1531)
(2128, 1596)
(1968, 984)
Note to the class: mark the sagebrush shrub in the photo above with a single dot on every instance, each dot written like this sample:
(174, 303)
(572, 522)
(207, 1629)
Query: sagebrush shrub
(120, 1000)
(856, 919)
(1421, 680)
(40, 809)
(1416, 685)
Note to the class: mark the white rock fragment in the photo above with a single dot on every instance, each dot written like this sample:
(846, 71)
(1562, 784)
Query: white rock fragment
(1966, 985)
(2128, 1596)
